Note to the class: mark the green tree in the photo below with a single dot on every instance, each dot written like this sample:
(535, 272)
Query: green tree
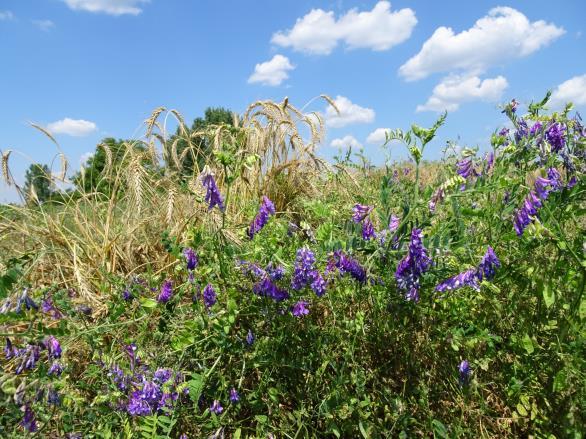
(201, 143)
(93, 179)
(37, 183)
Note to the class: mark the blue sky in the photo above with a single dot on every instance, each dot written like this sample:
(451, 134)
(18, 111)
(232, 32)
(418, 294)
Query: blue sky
(87, 69)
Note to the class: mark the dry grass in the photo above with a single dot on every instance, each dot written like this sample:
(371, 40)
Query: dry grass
(79, 242)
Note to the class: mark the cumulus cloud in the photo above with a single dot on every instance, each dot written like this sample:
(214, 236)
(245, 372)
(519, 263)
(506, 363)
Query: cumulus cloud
(72, 127)
(272, 72)
(44, 25)
(346, 141)
(6, 15)
(573, 90)
(319, 32)
(378, 136)
(503, 34)
(455, 90)
(350, 113)
(111, 7)
(85, 157)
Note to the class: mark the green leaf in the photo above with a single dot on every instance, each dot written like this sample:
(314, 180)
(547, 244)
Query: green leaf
(521, 410)
(363, 430)
(195, 387)
(527, 344)
(145, 302)
(548, 295)
(237, 434)
(582, 309)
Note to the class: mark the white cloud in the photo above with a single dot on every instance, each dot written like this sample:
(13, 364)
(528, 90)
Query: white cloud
(72, 127)
(349, 113)
(455, 90)
(378, 136)
(346, 141)
(111, 7)
(573, 90)
(85, 157)
(272, 72)
(6, 15)
(503, 34)
(44, 25)
(318, 32)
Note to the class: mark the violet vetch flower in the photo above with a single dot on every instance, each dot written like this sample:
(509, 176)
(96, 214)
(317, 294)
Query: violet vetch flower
(555, 136)
(488, 265)
(524, 216)
(394, 223)
(303, 268)
(55, 369)
(275, 272)
(464, 371)
(25, 300)
(368, 230)
(48, 307)
(166, 292)
(137, 406)
(318, 284)
(572, 182)
(250, 338)
(190, 258)
(535, 128)
(216, 407)
(522, 130)
(347, 265)
(267, 208)
(489, 161)
(471, 278)
(209, 296)
(127, 295)
(213, 196)
(412, 266)
(543, 186)
(53, 397)
(267, 288)
(300, 309)
(162, 375)
(130, 350)
(28, 421)
(468, 278)
(360, 212)
(9, 350)
(234, 396)
(466, 168)
(53, 347)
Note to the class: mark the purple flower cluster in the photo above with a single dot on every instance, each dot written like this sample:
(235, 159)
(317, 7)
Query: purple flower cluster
(267, 208)
(412, 266)
(471, 278)
(465, 168)
(209, 296)
(29, 356)
(543, 186)
(361, 215)
(305, 273)
(300, 309)
(48, 307)
(250, 338)
(149, 396)
(166, 292)
(213, 196)
(464, 372)
(216, 407)
(346, 265)
(24, 300)
(190, 258)
(555, 136)
(28, 421)
(265, 285)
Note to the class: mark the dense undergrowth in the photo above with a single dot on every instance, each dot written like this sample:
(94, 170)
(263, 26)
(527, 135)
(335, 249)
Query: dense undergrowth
(440, 299)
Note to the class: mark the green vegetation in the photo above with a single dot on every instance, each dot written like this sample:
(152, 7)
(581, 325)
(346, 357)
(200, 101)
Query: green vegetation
(258, 291)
